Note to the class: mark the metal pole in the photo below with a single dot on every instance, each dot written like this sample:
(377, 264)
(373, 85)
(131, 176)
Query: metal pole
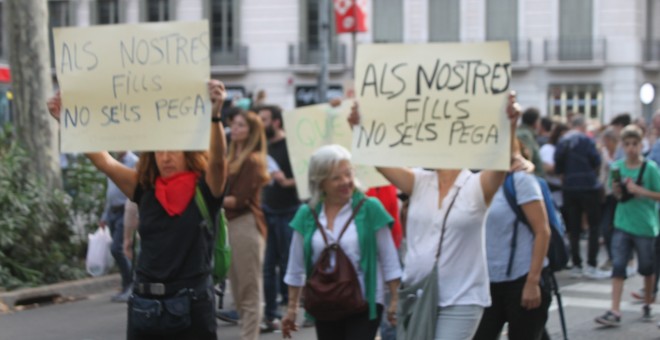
(324, 35)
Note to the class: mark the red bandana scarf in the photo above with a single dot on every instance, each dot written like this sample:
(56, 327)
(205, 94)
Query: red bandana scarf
(175, 192)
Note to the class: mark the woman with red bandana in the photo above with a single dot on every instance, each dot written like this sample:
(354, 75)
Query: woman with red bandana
(248, 173)
(173, 274)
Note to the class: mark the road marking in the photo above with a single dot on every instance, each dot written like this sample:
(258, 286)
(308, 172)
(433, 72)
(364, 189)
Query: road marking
(601, 304)
(587, 287)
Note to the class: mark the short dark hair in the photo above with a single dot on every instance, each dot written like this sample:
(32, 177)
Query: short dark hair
(531, 116)
(275, 113)
(621, 120)
(547, 124)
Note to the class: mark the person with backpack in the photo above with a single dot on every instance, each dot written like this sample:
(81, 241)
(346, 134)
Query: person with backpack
(635, 182)
(445, 281)
(516, 254)
(342, 253)
(172, 295)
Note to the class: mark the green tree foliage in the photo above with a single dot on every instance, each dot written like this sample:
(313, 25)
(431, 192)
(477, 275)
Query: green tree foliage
(43, 231)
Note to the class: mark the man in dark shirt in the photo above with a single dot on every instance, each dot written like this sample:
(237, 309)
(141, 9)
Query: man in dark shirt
(577, 160)
(280, 203)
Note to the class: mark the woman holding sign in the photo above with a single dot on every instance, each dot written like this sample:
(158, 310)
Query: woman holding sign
(445, 236)
(173, 294)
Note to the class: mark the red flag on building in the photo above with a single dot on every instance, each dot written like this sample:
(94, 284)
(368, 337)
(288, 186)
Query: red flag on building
(350, 16)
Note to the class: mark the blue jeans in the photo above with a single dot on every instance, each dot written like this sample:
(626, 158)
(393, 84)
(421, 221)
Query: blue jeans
(116, 225)
(622, 247)
(277, 257)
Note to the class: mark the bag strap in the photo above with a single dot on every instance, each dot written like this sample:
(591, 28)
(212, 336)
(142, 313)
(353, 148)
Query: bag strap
(444, 224)
(348, 222)
(510, 195)
(201, 205)
(641, 174)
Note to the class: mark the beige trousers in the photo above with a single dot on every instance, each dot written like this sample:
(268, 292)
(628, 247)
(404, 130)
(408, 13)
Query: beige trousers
(246, 272)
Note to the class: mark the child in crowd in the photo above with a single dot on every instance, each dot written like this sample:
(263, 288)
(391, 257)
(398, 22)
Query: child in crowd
(635, 182)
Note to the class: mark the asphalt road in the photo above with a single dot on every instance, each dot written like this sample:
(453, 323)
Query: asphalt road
(96, 318)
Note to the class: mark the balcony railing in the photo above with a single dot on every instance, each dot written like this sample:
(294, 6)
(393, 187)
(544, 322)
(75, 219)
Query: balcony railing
(575, 50)
(651, 50)
(304, 54)
(521, 51)
(233, 56)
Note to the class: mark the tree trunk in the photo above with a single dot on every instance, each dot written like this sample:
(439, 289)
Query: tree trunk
(27, 27)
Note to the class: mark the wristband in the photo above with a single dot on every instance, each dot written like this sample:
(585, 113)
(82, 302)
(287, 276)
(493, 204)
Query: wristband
(215, 119)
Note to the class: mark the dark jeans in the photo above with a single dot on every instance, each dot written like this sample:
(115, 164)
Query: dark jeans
(523, 324)
(576, 204)
(116, 225)
(356, 327)
(203, 324)
(607, 223)
(276, 257)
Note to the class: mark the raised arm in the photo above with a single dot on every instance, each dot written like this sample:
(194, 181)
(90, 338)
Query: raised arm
(402, 178)
(538, 221)
(216, 174)
(492, 180)
(124, 177)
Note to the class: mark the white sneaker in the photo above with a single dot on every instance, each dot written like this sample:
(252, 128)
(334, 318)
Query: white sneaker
(595, 274)
(576, 273)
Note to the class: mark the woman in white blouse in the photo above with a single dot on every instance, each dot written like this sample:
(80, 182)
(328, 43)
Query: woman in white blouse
(334, 196)
(462, 269)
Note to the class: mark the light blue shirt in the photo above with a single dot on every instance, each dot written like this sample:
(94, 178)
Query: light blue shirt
(499, 231)
(113, 196)
(654, 155)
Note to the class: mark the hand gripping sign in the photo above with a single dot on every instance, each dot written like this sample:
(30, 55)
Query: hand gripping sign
(134, 87)
(433, 105)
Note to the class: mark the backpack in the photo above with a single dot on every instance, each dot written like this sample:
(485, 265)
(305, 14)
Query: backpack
(334, 294)
(557, 251)
(222, 250)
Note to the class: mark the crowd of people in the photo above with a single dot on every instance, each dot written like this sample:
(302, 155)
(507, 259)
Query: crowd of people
(458, 227)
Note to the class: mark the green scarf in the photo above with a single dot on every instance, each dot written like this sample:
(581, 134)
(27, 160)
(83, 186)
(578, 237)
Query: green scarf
(369, 219)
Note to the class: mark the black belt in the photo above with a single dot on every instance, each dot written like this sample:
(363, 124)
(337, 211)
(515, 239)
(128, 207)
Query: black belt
(165, 289)
(117, 208)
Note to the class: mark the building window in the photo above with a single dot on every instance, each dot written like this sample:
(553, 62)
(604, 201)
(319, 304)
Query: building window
(388, 21)
(307, 52)
(502, 23)
(60, 15)
(157, 10)
(575, 30)
(652, 43)
(105, 12)
(222, 25)
(224, 28)
(444, 20)
(586, 99)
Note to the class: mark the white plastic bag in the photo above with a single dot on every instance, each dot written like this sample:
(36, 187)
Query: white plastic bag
(99, 259)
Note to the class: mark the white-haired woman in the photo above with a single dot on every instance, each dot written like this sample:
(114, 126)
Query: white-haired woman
(367, 242)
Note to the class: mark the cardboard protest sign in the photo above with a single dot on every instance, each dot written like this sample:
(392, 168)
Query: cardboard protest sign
(433, 105)
(134, 87)
(311, 127)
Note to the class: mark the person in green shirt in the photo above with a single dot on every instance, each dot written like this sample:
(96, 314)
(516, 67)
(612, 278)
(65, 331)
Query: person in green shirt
(635, 182)
(526, 133)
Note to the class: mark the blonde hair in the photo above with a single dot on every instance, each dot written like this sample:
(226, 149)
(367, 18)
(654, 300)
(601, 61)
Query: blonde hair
(632, 131)
(255, 144)
(321, 164)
